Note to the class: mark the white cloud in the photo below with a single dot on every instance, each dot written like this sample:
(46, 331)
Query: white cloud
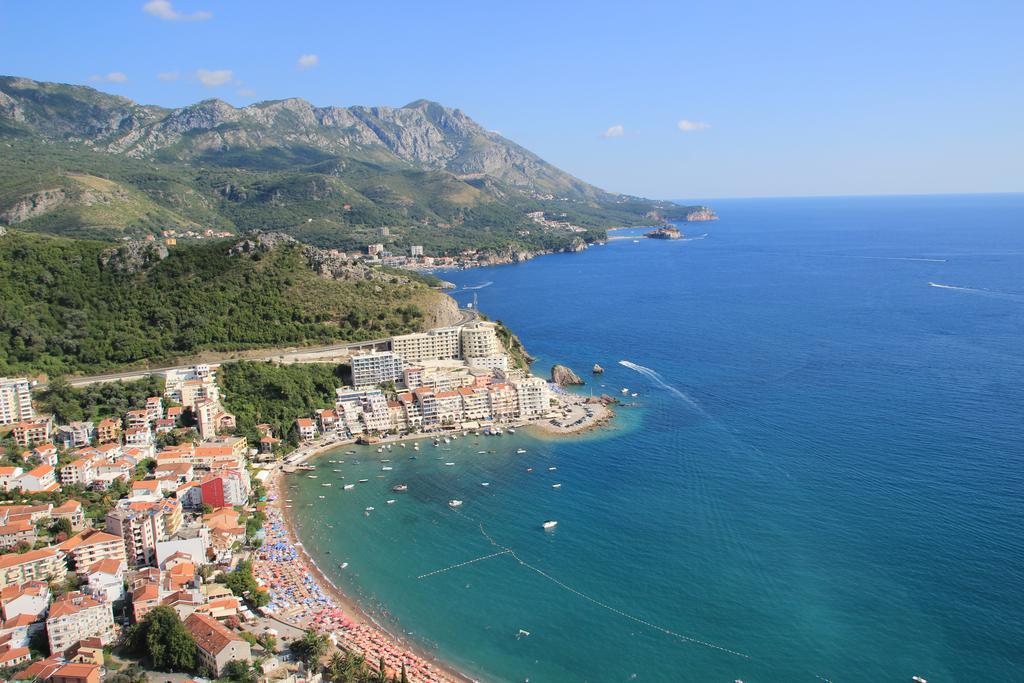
(112, 77)
(615, 131)
(168, 76)
(308, 61)
(212, 79)
(163, 9)
(688, 126)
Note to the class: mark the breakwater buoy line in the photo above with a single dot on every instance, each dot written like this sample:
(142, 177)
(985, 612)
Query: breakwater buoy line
(462, 564)
(505, 550)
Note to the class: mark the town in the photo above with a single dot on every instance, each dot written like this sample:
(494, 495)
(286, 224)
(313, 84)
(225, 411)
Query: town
(163, 507)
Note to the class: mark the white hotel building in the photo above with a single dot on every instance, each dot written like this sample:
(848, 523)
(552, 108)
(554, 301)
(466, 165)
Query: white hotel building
(437, 344)
(371, 369)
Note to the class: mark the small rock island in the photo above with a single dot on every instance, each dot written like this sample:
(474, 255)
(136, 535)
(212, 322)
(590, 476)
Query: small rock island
(666, 233)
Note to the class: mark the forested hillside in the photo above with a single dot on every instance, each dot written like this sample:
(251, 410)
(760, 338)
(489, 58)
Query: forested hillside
(81, 306)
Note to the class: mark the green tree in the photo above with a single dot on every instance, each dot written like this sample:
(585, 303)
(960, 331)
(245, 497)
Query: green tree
(243, 584)
(61, 525)
(242, 671)
(163, 638)
(310, 648)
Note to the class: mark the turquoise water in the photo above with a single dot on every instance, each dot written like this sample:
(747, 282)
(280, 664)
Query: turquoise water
(821, 473)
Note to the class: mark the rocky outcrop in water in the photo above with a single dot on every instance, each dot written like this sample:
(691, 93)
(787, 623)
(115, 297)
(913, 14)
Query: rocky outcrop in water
(563, 376)
(597, 370)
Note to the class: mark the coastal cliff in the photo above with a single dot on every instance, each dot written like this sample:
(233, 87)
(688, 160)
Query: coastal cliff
(442, 311)
(514, 254)
(701, 213)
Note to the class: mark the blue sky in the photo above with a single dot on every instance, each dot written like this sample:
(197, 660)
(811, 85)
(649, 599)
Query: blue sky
(781, 98)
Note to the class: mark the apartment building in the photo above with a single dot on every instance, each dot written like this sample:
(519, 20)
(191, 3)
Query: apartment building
(475, 405)
(89, 547)
(217, 645)
(40, 479)
(77, 616)
(534, 397)
(15, 400)
(75, 434)
(480, 339)
(45, 564)
(31, 432)
(371, 369)
(503, 401)
(141, 524)
(108, 431)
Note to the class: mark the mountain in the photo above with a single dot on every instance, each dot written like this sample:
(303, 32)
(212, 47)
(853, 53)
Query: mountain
(82, 162)
(77, 305)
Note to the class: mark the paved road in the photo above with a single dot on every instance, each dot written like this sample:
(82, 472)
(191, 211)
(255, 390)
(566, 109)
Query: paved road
(306, 354)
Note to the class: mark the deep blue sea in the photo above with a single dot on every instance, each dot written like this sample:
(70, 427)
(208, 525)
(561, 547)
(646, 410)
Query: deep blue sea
(821, 477)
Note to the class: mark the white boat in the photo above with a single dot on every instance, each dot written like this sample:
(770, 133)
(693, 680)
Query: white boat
(511, 430)
(918, 679)
(320, 497)
(343, 565)
(453, 503)
(550, 524)
(350, 452)
(552, 468)
(481, 452)
(556, 486)
(485, 483)
(520, 451)
(449, 464)
(522, 634)
(391, 501)
(386, 468)
(363, 481)
(634, 394)
(400, 488)
(311, 476)
(349, 487)
(370, 509)
(326, 484)
(625, 390)
(380, 450)
(385, 459)
(447, 440)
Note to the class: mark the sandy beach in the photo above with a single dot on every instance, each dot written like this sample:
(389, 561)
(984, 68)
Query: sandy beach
(303, 596)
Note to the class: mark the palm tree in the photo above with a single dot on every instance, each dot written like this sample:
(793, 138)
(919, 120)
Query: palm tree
(335, 669)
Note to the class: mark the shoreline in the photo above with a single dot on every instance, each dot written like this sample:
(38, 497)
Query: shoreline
(421, 664)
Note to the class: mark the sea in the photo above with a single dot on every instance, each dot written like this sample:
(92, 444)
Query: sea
(815, 475)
